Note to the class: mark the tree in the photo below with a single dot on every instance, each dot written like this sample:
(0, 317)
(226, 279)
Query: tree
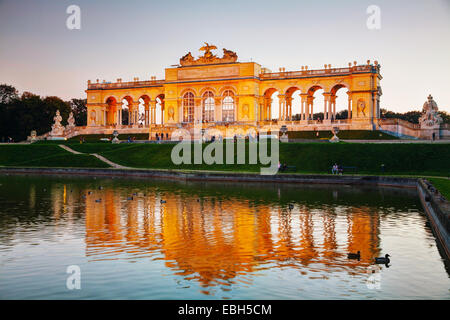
(7, 93)
(445, 116)
(28, 112)
(79, 109)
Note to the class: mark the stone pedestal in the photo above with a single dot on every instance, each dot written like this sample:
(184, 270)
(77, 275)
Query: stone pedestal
(430, 121)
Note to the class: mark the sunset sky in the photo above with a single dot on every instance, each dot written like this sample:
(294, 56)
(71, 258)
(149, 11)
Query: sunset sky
(126, 39)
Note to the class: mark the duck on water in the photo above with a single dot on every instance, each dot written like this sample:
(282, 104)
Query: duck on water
(383, 260)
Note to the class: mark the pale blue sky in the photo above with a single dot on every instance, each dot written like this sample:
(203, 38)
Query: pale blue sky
(124, 39)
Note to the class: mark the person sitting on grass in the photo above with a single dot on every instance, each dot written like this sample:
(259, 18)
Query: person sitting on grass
(334, 169)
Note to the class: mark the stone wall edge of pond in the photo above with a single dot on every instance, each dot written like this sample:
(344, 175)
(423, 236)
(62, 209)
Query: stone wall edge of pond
(437, 209)
(221, 176)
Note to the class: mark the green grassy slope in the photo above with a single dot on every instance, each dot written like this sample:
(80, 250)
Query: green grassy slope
(45, 156)
(413, 159)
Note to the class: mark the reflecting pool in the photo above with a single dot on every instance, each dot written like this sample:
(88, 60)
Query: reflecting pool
(141, 239)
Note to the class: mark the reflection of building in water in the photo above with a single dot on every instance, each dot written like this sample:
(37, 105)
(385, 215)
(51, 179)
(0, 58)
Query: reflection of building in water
(215, 240)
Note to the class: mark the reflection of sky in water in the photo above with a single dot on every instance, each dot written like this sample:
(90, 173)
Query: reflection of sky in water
(212, 240)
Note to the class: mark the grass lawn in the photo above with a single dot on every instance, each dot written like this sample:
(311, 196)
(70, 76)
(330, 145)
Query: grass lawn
(443, 185)
(398, 159)
(51, 155)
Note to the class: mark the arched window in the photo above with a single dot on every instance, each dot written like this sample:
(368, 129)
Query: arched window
(188, 107)
(228, 106)
(208, 106)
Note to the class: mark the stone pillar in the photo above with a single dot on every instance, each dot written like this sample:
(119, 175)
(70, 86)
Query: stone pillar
(163, 110)
(236, 109)
(326, 99)
(135, 112)
(288, 108)
(333, 107)
(310, 108)
(268, 109)
(152, 106)
(119, 113)
(282, 104)
(198, 110)
(349, 112)
(217, 108)
(304, 98)
(147, 113)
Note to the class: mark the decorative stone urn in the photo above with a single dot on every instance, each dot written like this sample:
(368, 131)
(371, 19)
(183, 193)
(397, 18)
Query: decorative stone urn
(430, 121)
(284, 136)
(115, 134)
(33, 136)
(335, 131)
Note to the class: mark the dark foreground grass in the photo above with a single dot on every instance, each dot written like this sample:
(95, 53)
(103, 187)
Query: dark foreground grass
(45, 156)
(399, 159)
(443, 185)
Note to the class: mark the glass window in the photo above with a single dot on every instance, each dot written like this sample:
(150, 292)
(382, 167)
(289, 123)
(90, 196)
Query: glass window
(188, 107)
(208, 106)
(228, 106)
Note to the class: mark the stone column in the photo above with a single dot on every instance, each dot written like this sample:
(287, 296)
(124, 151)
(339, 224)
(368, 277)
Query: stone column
(147, 114)
(349, 115)
(163, 110)
(310, 108)
(236, 109)
(304, 97)
(326, 99)
(282, 104)
(152, 107)
(119, 113)
(268, 108)
(135, 117)
(288, 108)
(198, 110)
(217, 108)
(333, 107)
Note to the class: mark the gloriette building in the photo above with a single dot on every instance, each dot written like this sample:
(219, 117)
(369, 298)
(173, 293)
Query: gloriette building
(221, 92)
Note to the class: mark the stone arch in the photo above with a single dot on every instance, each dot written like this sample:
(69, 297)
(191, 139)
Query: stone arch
(270, 91)
(159, 108)
(270, 103)
(339, 102)
(313, 88)
(109, 97)
(144, 109)
(186, 90)
(335, 87)
(206, 89)
(110, 113)
(293, 102)
(225, 88)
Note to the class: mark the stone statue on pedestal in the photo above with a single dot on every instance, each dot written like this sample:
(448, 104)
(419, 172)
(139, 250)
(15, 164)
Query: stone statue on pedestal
(335, 131)
(57, 128)
(430, 116)
(70, 122)
(430, 121)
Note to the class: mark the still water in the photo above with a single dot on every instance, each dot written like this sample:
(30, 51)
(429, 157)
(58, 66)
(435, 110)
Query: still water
(213, 241)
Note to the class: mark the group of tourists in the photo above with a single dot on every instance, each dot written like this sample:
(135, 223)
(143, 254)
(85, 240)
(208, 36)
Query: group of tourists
(161, 136)
(337, 169)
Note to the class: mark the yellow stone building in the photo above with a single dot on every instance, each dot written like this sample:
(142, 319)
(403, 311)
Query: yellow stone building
(220, 92)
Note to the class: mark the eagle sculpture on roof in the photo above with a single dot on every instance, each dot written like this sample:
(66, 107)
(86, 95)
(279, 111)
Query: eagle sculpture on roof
(207, 48)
